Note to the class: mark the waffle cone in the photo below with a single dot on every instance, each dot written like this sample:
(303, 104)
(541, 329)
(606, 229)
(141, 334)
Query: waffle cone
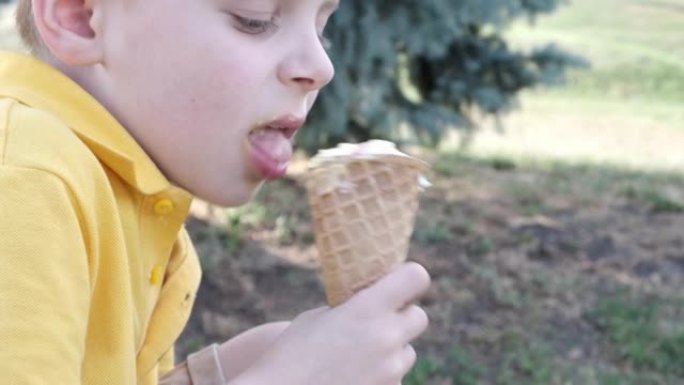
(363, 212)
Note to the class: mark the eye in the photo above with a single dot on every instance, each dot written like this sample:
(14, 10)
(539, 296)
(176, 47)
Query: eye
(255, 26)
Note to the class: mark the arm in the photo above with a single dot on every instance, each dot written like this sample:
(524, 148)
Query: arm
(44, 280)
(365, 341)
(226, 361)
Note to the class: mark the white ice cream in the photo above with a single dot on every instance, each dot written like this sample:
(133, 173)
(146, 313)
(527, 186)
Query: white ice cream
(369, 148)
(331, 158)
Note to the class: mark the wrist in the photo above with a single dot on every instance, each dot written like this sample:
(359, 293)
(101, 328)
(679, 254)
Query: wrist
(204, 367)
(179, 375)
(257, 376)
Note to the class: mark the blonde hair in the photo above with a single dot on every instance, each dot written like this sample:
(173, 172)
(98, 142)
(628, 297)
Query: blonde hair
(26, 26)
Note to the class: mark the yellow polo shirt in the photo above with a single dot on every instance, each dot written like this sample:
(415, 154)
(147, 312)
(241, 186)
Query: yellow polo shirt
(97, 273)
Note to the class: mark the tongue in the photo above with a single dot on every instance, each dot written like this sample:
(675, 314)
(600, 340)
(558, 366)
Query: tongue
(273, 144)
(272, 149)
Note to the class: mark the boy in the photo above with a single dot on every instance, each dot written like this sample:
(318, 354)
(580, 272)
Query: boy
(127, 110)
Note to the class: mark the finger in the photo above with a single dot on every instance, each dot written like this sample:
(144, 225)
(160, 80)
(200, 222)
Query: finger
(409, 357)
(405, 360)
(415, 321)
(313, 313)
(403, 285)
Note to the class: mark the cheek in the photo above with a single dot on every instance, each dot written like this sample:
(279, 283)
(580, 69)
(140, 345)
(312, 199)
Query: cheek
(208, 62)
(206, 89)
(204, 94)
(215, 106)
(220, 75)
(224, 82)
(311, 99)
(217, 99)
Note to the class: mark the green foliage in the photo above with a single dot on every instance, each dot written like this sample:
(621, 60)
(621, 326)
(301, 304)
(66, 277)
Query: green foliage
(501, 163)
(525, 361)
(592, 375)
(239, 219)
(658, 201)
(408, 71)
(451, 164)
(663, 204)
(527, 196)
(482, 246)
(423, 370)
(459, 163)
(431, 233)
(459, 366)
(283, 229)
(463, 368)
(638, 331)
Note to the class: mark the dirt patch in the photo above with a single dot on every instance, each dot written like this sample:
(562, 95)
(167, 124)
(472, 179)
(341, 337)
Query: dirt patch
(519, 256)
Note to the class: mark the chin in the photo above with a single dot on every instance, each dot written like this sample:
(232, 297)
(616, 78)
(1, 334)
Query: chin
(231, 197)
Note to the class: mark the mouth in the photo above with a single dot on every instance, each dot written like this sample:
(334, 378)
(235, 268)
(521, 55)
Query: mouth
(270, 145)
(288, 125)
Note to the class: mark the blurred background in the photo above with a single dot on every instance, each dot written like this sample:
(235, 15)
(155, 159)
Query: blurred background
(554, 230)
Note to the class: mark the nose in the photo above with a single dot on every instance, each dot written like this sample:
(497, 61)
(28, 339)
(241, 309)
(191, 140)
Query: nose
(307, 65)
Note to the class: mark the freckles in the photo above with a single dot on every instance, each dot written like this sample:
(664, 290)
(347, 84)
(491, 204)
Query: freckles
(194, 106)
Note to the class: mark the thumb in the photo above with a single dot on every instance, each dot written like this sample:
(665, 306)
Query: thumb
(402, 286)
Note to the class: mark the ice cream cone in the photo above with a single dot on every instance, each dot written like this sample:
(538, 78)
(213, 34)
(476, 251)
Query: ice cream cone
(363, 208)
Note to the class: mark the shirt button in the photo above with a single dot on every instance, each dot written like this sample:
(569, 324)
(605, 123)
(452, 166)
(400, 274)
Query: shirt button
(156, 274)
(163, 206)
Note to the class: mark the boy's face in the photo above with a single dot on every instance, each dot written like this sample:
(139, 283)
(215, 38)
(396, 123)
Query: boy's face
(197, 82)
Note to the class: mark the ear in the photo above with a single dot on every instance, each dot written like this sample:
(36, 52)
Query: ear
(68, 30)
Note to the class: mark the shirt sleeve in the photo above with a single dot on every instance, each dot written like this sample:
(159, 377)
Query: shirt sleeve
(166, 362)
(44, 280)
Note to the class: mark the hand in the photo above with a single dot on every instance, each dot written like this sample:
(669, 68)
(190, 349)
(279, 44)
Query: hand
(365, 341)
(240, 352)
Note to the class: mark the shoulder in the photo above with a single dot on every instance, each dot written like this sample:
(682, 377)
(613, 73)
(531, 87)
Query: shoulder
(31, 138)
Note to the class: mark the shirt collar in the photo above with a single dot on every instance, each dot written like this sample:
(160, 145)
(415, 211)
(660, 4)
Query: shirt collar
(36, 84)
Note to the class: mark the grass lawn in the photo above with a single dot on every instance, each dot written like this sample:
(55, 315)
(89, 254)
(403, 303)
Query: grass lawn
(627, 109)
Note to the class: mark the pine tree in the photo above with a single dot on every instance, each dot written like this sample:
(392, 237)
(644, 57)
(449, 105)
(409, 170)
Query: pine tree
(410, 70)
